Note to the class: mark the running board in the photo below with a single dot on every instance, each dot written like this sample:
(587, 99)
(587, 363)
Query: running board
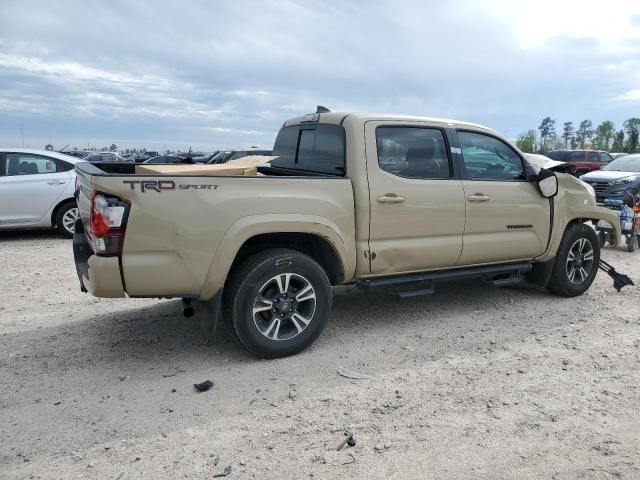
(424, 283)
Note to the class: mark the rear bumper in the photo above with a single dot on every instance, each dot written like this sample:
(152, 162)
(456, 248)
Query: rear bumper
(100, 276)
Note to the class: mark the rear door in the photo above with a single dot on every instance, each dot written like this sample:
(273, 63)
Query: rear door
(507, 218)
(29, 187)
(417, 211)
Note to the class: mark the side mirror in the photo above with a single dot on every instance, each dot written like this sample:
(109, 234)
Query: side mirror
(547, 183)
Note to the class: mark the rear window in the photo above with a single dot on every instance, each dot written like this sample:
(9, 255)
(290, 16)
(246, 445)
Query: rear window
(317, 148)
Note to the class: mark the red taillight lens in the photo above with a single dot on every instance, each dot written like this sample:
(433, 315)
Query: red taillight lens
(99, 216)
(107, 224)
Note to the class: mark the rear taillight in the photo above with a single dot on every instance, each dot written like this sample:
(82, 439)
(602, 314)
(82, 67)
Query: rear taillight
(107, 224)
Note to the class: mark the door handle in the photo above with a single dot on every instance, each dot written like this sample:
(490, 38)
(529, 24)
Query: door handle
(390, 198)
(478, 197)
(56, 182)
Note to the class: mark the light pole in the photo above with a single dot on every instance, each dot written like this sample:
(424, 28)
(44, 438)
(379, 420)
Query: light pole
(21, 133)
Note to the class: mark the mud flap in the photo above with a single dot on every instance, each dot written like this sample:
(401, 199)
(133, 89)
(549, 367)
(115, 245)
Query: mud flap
(212, 312)
(619, 280)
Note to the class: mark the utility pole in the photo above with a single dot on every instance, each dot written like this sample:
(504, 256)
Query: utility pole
(21, 133)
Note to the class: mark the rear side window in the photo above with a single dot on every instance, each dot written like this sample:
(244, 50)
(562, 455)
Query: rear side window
(559, 155)
(593, 156)
(315, 148)
(413, 152)
(577, 156)
(26, 164)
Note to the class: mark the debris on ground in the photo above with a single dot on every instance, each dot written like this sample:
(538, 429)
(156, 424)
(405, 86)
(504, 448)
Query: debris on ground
(216, 460)
(349, 440)
(351, 374)
(204, 386)
(225, 472)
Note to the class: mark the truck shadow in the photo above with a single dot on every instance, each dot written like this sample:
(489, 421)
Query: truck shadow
(158, 337)
(36, 234)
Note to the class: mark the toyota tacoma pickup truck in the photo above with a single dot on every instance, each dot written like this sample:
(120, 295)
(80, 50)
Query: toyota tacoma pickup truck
(379, 201)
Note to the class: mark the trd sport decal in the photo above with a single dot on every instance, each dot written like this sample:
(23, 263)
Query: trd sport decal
(166, 185)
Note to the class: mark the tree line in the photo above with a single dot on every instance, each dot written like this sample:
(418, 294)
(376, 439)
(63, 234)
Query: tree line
(603, 137)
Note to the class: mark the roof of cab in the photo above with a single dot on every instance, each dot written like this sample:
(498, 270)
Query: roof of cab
(340, 117)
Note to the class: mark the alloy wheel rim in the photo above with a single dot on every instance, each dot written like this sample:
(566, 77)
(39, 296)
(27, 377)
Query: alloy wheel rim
(579, 261)
(69, 219)
(284, 306)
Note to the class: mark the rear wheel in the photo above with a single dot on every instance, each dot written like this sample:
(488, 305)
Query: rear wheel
(576, 263)
(66, 219)
(279, 302)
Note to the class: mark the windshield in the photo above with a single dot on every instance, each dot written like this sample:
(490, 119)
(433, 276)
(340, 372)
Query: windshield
(221, 157)
(628, 163)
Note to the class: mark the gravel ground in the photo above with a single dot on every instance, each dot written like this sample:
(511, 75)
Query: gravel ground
(474, 382)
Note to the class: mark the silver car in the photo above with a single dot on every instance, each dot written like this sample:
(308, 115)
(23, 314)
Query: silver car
(37, 190)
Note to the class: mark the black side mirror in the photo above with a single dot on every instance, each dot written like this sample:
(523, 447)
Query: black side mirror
(547, 183)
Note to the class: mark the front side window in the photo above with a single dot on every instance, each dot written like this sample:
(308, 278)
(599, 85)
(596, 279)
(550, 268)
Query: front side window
(26, 164)
(413, 152)
(487, 158)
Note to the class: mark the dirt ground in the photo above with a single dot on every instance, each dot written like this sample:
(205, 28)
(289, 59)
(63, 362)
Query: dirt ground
(474, 382)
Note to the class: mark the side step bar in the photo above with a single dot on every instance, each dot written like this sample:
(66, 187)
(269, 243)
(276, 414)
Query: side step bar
(424, 283)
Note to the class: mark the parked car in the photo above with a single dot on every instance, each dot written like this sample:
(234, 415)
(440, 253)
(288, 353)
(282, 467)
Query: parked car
(37, 190)
(227, 155)
(618, 155)
(584, 160)
(106, 157)
(616, 179)
(166, 159)
(460, 201)
(77, 153)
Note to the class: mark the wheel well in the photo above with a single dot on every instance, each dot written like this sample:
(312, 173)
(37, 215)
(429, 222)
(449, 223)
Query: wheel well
(57, 209)
(315, 246)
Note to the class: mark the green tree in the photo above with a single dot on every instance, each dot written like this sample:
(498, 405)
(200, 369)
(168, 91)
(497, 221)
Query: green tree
(604, 135)
(526, 142)
(547, 130)
(618, 142)
(567, 133)
(632, 129)
(584, 133)
(49, 147)
(113, 147)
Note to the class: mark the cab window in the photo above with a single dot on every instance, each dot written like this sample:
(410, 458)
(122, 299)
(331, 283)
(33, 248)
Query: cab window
(413, 152)
(487, 158)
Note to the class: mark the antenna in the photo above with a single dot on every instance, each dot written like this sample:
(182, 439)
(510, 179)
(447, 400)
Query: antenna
(322, 109)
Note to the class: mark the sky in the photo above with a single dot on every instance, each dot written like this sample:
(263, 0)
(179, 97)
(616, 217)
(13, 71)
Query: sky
(219, 74)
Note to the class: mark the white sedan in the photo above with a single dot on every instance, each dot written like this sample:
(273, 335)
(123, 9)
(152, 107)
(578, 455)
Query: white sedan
(37, 190)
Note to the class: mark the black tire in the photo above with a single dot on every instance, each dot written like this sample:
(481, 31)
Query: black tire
(602, 239)
(561, 281)
(274, 331)
(65, 220)
(631, 243)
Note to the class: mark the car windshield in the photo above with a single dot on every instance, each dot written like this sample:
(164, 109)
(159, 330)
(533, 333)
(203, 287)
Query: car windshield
(628, 163)
(221, 157)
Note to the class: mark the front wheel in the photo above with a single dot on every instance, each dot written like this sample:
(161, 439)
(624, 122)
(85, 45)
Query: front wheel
(576, 263)
(631, 243)
(279, 302)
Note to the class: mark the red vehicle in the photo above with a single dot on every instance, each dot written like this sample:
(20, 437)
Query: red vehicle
(585, 160)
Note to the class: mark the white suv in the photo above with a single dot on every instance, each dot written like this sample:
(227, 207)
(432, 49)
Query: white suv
(37, 190)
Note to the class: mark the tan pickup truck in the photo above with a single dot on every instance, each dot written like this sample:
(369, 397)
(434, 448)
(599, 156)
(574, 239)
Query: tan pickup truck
(380, 201)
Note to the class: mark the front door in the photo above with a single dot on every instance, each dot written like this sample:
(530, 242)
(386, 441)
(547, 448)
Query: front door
(507, 217)
(417, 211)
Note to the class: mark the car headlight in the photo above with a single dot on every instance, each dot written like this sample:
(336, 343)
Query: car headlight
(623, 181)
